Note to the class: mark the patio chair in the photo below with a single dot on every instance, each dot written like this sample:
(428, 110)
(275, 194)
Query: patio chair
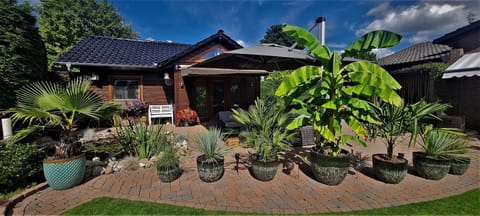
(227, 121)
(160, 111)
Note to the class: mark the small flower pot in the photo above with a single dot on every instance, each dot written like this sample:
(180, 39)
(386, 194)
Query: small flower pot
(459, 165)
(65, 173)
(429, 167)
(328, 169)
(169, 174)
(210, 171)
(264, 170)
(391, 171)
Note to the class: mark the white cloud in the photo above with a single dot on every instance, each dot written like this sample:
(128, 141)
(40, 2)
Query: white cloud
(382, 52)
(419, 22)
(150, 38)
(241, 42)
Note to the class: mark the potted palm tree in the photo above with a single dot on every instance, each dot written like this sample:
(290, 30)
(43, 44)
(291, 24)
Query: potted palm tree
(43, 105)
(438, 145)
(168, 164)
(324, 97)
(264, 130)
(395, 122)
(213, 148)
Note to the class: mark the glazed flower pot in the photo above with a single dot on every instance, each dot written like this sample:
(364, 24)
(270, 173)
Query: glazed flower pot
(459, 165)
(64, 173)
(169, 174)
(328, 169)
(264, 170)
(210, 171)
(391, 171)
(429, 167)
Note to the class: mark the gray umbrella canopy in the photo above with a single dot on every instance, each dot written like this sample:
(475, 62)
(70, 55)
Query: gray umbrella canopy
(268, 57)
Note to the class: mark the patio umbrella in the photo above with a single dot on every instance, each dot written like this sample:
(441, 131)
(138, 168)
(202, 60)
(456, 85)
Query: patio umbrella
(268, 57)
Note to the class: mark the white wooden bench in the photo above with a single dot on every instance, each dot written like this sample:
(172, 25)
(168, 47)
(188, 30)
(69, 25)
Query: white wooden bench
(160, 111)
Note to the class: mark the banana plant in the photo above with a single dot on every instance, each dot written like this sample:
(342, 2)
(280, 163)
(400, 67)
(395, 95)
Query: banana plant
(325, 96)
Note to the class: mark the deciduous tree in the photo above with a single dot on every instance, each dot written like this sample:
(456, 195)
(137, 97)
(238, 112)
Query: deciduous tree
(63, 23)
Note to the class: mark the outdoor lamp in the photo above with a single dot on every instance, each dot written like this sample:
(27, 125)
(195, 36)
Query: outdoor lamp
(168, 81)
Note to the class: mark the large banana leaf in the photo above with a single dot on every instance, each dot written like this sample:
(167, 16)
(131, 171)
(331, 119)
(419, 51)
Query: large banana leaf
(306, 39)
(297, 78)
(372, 40)
(372, 80)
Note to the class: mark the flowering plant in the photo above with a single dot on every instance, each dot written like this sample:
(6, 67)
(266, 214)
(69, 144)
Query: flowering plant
(187, 116)
(136, 108)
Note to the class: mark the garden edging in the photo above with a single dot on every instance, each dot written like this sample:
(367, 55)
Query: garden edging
(18, 198)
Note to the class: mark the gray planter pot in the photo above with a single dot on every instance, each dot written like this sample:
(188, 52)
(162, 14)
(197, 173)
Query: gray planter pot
(389, 171)
(459, 165)
(328, 169)
(264, 170)
(430, 168)
(169, 174)
(210, 171)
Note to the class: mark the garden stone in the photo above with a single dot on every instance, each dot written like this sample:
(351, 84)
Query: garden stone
(108, 170)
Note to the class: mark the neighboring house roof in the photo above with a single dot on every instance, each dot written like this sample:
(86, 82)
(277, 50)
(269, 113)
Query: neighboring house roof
(119, 52)
(474, 26)
(467, 66)
(416, 54)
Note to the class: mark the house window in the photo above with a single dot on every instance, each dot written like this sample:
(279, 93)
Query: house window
(126, 89)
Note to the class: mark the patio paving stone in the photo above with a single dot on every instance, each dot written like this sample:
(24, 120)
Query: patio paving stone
(296, 193)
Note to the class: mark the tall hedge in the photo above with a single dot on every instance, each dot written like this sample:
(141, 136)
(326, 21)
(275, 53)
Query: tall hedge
(23, 57)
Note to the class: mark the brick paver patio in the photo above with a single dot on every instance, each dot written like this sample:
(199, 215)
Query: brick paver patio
(240, 192)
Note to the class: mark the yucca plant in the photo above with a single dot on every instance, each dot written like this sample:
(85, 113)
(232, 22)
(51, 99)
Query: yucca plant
(141, 140)
(47, 104)
(264, 128)
(211, 144)
(443, 142)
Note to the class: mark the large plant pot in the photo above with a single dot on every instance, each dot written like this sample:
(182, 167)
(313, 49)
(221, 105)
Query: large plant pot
(459, 165)
(169, 174)
(430, 168)
(64, 173)
(264, 170)
(209, 171)
(329, 170)
(389, 171)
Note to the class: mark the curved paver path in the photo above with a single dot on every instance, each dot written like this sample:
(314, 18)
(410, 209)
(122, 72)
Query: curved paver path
(294, 193)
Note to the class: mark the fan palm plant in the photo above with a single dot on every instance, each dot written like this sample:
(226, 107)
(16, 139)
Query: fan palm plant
(47, 104)
(443, 142)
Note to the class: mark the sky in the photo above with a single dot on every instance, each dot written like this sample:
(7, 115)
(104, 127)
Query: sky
(189, 21)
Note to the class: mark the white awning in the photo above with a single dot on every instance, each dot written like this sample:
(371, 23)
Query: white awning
(198, 71)
(467, 66)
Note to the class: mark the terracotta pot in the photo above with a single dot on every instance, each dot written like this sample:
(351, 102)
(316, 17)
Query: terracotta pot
(389, 171)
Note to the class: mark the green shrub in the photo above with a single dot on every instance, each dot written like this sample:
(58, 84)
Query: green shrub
(140, 140)
(21, 164)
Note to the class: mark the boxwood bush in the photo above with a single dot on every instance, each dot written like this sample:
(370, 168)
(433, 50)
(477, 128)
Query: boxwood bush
(21, 165)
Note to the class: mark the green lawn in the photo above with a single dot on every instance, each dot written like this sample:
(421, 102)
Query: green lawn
(464, 204)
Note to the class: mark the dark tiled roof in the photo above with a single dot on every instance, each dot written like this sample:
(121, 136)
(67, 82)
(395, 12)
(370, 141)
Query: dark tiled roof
(118, 52)
(417, 53)
(474, 26)
(107, 51)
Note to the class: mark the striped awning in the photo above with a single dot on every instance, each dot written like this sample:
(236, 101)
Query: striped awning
(467, 66)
